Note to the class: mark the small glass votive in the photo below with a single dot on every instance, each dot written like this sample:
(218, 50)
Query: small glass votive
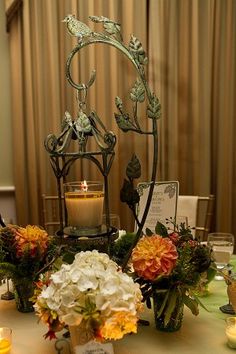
(5, 340)
(84, 203)
(231, 331)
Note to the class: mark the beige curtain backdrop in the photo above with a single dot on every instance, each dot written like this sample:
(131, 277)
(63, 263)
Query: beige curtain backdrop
(191, 49)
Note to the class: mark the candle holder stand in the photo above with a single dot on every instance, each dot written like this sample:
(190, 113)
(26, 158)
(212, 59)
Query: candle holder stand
(88, 125)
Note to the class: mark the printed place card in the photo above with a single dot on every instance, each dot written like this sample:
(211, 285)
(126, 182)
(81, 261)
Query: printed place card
(93, 347)
(163, 204)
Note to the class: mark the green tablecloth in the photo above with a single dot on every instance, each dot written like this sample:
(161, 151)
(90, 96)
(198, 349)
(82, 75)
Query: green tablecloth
(217, 295)
(202, 334)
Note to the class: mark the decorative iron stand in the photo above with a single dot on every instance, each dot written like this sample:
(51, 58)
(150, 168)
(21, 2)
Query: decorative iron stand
(89, 126)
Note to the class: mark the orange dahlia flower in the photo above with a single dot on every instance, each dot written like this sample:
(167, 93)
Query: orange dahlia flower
(32, 238)
(153, 256)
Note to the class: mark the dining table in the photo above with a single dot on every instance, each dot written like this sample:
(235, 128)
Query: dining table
(201, 334)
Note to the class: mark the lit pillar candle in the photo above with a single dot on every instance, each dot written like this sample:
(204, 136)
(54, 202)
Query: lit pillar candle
(84, 204)
(231, 331)
(5, 340)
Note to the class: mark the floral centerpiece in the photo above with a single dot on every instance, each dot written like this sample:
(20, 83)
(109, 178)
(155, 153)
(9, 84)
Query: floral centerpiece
(91, 296)
(24, 254)
(169, 266)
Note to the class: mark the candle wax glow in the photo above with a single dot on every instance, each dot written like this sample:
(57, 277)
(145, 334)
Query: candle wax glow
(84, 209)
(5, 346)
(231, 335)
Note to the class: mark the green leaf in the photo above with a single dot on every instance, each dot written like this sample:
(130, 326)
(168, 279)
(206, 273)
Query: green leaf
(148, 232)
(200, 303)
(68, 257)
(170, 306)
(133, 169)
(161, 309)
(191, 304)
(161, 229)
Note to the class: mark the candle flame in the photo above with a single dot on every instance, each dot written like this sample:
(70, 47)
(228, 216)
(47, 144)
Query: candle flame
(84, 186)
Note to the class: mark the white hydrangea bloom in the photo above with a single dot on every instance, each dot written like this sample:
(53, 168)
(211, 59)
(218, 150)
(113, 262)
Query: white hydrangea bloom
(93, 278)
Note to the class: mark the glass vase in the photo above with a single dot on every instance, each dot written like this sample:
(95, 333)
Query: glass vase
(23, 291)
(176, 317)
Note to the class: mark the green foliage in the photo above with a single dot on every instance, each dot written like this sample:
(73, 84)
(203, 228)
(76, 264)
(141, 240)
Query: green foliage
(120, 248)
(161, 230)
(191, 303)
(148, 232)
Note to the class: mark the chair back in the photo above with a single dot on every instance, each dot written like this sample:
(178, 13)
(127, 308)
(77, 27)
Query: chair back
(203, 208)
(50, 213)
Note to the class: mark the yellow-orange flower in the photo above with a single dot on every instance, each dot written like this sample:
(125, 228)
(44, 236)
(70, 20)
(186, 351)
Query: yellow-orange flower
(118, 325)
(153, 256)
(32, 239)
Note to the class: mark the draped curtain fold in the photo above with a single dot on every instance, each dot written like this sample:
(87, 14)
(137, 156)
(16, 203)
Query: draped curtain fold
(191, 49)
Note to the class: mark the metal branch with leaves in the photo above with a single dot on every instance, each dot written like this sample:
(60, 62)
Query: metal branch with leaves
(85, 125)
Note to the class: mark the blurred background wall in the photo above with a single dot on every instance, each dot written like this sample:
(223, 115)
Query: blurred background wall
(7, 188)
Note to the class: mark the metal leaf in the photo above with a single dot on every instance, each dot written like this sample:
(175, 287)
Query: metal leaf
(123, 122)
(133, 169)
(82, 123)
(137, 50)
(128, 194)
(154, 108)
(119, 103)
(98, 19)
(111, 27)
(137, 93)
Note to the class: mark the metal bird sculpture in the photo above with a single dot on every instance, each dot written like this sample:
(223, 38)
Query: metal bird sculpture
(76, 28)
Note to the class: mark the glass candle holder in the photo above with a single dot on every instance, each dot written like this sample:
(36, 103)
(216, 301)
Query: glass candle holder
(114, 220)
(5, 340)
(84, 204)
(231, 331)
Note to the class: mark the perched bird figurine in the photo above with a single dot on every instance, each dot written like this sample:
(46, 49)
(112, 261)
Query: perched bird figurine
(76, 28)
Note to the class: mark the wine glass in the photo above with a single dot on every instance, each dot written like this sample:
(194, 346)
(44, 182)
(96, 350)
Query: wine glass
(222, 245)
